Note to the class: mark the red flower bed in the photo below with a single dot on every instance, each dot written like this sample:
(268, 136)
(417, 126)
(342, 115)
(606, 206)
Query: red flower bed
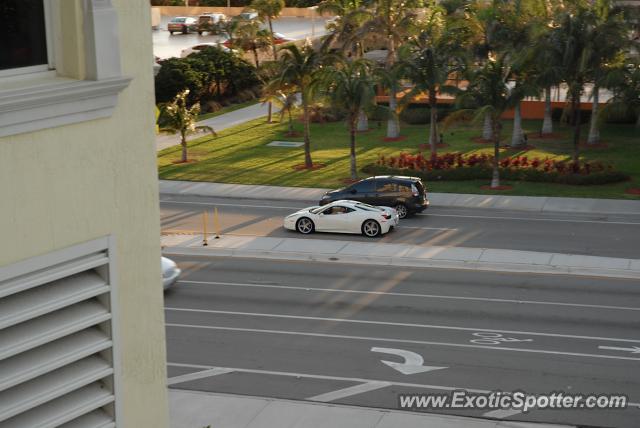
(449, 161)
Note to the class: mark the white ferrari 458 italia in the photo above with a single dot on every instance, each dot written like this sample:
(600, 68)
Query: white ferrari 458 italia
(343, 217)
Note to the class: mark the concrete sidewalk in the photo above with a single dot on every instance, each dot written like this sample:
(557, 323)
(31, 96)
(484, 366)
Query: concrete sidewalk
(313, 195)
(218, 123)
(194, 409)
(401, 255)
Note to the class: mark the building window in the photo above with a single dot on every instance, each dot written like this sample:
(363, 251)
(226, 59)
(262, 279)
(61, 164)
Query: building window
(24, 35)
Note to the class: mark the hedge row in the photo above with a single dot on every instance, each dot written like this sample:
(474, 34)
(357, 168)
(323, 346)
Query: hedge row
(485, 173)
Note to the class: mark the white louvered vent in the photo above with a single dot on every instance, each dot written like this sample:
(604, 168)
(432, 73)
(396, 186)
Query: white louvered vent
(56, 341)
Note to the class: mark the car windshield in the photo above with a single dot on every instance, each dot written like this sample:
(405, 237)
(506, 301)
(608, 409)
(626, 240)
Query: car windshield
(178, 19)
(316, 210)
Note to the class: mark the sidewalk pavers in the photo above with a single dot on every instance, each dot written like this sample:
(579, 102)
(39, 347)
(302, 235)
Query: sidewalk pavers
(195, 409)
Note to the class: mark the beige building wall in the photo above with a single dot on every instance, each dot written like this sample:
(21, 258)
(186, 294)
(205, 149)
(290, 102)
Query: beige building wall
(74, 183)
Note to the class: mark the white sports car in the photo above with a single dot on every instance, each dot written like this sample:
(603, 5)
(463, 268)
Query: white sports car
(344, 217)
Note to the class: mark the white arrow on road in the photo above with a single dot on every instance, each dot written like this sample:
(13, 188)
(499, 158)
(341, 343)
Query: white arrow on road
(633, 350)
(412, 361)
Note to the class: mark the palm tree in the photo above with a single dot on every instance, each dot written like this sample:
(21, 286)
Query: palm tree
(625, 84)
(351, 88)
(286, 99)
(251, 38)
(488, 95)
(299, 72)
(571, 40)
(393, 21)
(433, 57)
(181, 119)
(269, 10)
(609, 37)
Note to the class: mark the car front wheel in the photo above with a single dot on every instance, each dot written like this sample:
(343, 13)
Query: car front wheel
(402, 210)
(371, 228)
(305, 226)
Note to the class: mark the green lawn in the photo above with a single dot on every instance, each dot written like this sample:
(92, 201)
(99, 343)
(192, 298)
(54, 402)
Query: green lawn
(227, 109)
(240, 155)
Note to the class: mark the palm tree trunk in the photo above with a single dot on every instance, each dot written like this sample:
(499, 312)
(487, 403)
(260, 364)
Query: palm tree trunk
(575, 106)
(273, 45)
(363, 122)
(433, 125)
(517, 138)
(352, 134)
(393, 127)
(487, 129)
(255, 57)
(495, 178)
(594, 131)
(183, 142)
(290, 122)
(307, 142)
(547, 122)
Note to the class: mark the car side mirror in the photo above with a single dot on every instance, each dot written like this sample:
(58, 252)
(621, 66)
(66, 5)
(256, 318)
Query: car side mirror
(353, 191)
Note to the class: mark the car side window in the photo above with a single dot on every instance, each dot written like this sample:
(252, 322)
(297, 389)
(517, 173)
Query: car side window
(384, 186)
(365, 186)
(404, 189)
(336, 210)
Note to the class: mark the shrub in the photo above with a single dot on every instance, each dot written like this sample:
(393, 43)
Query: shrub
(455, 166)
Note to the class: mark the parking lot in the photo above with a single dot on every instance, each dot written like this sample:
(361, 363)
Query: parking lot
(167, 46)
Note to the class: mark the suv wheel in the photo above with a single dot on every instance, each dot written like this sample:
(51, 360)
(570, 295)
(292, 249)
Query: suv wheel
(305, 226)
(371, 228)
(402, 210)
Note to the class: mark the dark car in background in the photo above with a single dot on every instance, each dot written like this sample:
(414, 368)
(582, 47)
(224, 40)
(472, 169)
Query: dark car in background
(182, 24)
(406, 194)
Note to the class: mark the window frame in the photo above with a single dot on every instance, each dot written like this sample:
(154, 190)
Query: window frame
(44, 99)
(49, 32)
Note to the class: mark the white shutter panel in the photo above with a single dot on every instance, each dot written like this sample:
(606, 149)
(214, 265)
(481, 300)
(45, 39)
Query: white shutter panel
(56, 340)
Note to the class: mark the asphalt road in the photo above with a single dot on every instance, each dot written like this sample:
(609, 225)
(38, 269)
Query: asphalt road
(611, 236)
(308, 331)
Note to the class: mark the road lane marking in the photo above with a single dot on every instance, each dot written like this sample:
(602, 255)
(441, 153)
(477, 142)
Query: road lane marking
(389, 340)
(345, 379)
(475, 217)
(501, 413)
(427, 296)
(633, 350)
(198, 375)
(413, 362)
(348, 392)
(400, 324)
(326, 377)
(487, 338)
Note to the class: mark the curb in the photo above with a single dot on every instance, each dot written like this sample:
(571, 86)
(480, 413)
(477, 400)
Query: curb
(401, 262)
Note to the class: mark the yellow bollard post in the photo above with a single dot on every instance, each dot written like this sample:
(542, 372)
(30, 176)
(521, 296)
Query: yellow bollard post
(216, 223)
(204, 227)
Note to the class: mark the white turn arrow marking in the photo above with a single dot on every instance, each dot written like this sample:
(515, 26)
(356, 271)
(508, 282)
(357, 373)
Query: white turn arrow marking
(633, 350)
(412, 361)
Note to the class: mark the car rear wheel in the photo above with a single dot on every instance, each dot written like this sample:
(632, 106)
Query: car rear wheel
(402, 210)
(185, 30)
(305, 226)
(171, 32)
(371, 228)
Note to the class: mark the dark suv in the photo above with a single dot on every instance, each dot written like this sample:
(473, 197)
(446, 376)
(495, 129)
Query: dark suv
(406, 194)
